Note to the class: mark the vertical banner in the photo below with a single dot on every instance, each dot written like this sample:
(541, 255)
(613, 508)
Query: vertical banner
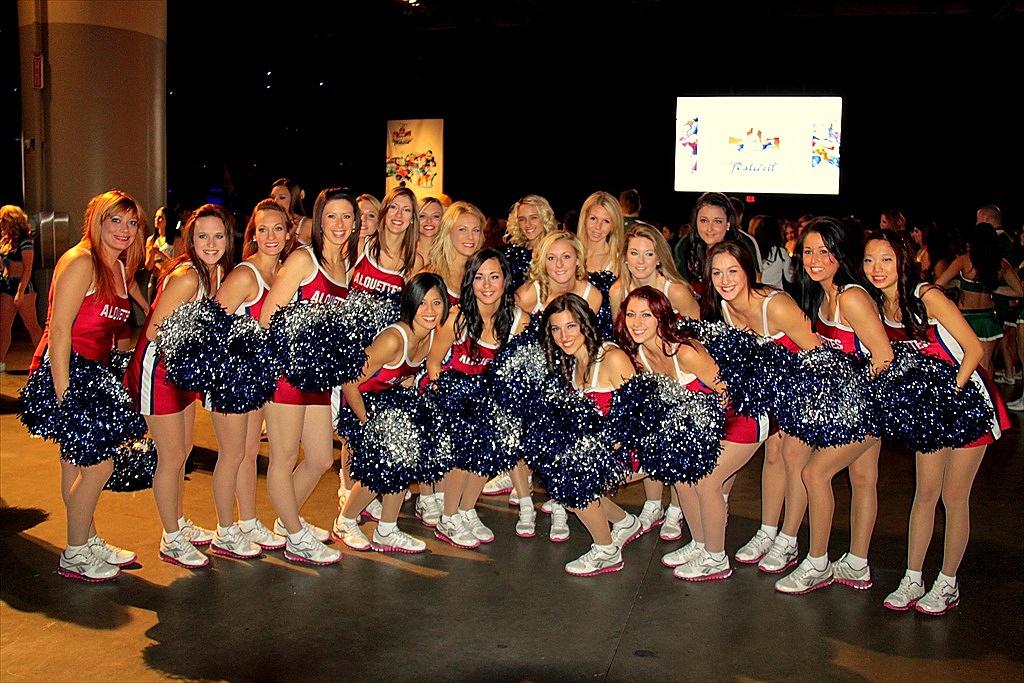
(416, 156)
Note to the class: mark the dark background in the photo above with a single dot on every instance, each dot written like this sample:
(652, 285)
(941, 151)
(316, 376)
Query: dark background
(562, 99)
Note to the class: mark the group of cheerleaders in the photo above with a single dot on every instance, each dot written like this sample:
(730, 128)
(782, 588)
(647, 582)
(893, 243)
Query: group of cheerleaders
(459, 306)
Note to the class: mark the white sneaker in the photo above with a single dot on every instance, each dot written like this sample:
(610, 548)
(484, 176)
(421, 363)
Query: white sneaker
(427, 510)
(940, 599)
(754, 549)
(499, 485)
(703, 567)
(843, 573)
(513, 499)
(626, 530)
(804, 579)
(196, 535)
(651, 516)
(672, 526)
(681, 556)
(350, 534)
(234, 544)
(396, 542)
(595, 561)
(905, 596)
(1002, 377)
(454, 531)
(84, 565)
(109, 553)
(374, 510)
(263, 537)
(319, 534)
(1017, 405)
(343, 494)
(526, 526)
(308, 549)
(475, 526)
(780, 557)
(559, 532)
(547, 506)
(181, 552)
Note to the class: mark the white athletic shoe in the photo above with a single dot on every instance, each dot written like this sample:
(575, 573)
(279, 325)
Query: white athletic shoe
(596, 561)
(350, 534)
(1017, 405)
(651, 516)
(454, 531)
(672, 527)
(427, 510)
(905, 596)
(319, 534)
(547, 506)
(308, 549)
(780, 557)
(263, 537)
(805, 578)
(196, 535)
(499, 485)
(626, 530)
(940, 599)
(754, 549)
(681, 556)
(84, 565)
(843, 573)
(472, 521)
(234, 544)
(374, 510)
(396, 542)
(110, 553)
(559, 532)
(703, 567)
(526, 526)
(181, 552)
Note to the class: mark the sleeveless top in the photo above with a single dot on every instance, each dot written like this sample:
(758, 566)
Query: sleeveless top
(601, 396)
(320, 287)
(780, 338)
(391, 375)
(968, 285)
(687, 379)
(453, 297)
(461, 360)
(95, 329)
(370, 276)
(837, 336)
(254, 306)
(539, 306)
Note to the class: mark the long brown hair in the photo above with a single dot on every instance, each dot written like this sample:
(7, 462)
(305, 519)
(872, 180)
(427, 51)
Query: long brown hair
(191, 256)
(412, 232)
(100, 208)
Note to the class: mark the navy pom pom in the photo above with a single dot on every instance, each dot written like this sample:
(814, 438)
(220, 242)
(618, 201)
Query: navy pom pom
(251, 369)
(521, 386)
(916, 402)
(387, 450)
(191, 340)
(94, 418)
(603, 280)
(134, 466)
(366, 314)
(319, 348)
(676, 433)
(519, 259)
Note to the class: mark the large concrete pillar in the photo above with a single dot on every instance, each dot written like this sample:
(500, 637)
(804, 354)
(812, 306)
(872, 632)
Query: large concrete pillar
(99, 120)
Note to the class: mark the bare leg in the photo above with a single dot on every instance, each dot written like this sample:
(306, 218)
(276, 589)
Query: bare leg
(690, 504)
(987, 350)
(773, 481)
(863, 500)
(470, 491)
(284, 430)
(612, 512)
(817, 476)
(358, 499)
(454, 483)
(245, 488)
(391, 505)
(930, 468)
(653, 489)
(520, 475)
(956, 498)
(231, 444)
(27, 311)
(795, 456)
(317, 450)
(173, 437)
(6, 321)
(709, 492)
(596, 521)
(84, 494)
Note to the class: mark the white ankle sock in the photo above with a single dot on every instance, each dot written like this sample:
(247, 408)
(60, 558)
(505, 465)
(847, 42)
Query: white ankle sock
(818, 563)
(385, 528)
(526, 500)
(346, 520)
(172, 535)
(247, 524)
(294, 538)
(222, 530)
(915, 576)
(948, 580)
(182, 521)
(771, 531)
(611, 548)
(790, 540)
(717, 557)
(74, 550)
(624, 522)
(675, 509)
(856, 562)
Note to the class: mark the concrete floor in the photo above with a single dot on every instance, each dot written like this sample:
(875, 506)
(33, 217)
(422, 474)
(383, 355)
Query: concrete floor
(507, 612)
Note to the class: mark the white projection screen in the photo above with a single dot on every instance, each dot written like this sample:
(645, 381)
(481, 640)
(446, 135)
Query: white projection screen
(786, 145)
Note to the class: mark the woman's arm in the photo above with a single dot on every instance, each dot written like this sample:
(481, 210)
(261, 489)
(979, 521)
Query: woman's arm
(296, 269)
(27, 255)
(951, 271)
(617, 368)
(697, 361)
(1012, 286)
(238, 287)
(860, 312)
(594, 299)
(137, 296)
(70, 284)
(443, 340)
(786, 316)
(179, 287)
(526, 296)
(939, 307)
(615, 297)
(682, 299)
(386, 347)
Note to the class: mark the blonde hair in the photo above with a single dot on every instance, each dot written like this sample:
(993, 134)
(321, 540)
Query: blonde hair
(13, 224)
(442, 251)
(666, 264)
(538, 272)
(615, 237)
(100, 208)
(514, 234)
(373, 200)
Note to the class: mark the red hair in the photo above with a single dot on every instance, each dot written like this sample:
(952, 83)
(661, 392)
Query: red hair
(661, 309)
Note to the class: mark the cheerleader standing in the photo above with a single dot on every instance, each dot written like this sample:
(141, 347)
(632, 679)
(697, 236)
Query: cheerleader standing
(389, 256)
(267, 237)
(88, 308)
(430, 212)
(318, 272)
(920, 315)
(170, 412)
(846, 319)
(369, 217)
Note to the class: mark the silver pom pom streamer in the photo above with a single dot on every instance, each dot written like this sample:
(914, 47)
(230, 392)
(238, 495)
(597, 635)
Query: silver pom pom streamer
(192, 341)
(318, 348)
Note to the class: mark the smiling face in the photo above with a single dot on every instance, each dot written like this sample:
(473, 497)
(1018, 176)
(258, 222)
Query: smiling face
(819, 263)
(640, 321)
(728, 277)
(467, 235)
(565, 331)
(712, 222)
(398, 216)
(271, 232)
(489, 282)
(369, 216)
(430, 310)
(430, 218)
(560, 264)
(599, 223)
(529, 220)
(209, 238)
(118, 231)
(880, 264)
(338, 221)
(641, 258)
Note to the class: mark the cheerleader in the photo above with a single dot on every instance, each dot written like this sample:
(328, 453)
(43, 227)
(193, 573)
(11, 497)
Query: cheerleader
(467, 343)
(459, 237)
(88, 306)
(600, 231)
(393, 358)
(267, 237)
(369, 217)
(431, 211)
(645, 260)
(318, 272)
(846, 319)
(557, 268)
(170, 412)
(288, 195)
(389, 256)
(576, 354)
(736, 297)
(920, 315)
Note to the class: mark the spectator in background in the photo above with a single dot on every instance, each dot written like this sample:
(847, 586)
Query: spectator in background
(715, 221)
(776, 265)
(16, 292)
(629, 202)
(790, 234)
(288, 195)
(893, 219)
(1006, 307)
(671, 235)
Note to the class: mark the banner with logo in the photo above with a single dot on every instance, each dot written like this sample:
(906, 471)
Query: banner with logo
(416, 156)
